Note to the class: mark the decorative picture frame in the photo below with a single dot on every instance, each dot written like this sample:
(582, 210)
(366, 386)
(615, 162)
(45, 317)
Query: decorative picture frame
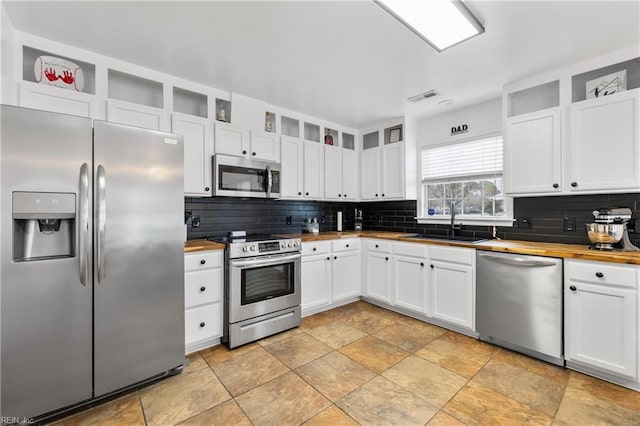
(269, 122)
(607, 85)
(395, 135)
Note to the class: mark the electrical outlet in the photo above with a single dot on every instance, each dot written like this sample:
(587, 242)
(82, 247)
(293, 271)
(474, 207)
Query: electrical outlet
(569, 224)
(288, 220)
(323, 220)
(195, 221)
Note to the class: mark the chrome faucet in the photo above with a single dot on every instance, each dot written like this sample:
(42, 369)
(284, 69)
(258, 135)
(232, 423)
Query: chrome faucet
(454, 227)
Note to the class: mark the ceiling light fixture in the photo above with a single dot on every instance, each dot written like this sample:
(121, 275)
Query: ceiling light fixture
(441, 23)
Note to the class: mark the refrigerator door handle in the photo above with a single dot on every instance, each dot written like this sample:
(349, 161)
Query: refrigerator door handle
(84, 224)
(269, 181)
(102, 220)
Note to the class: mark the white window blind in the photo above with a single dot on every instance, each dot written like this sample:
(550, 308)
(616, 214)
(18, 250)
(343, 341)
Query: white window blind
(473, 158)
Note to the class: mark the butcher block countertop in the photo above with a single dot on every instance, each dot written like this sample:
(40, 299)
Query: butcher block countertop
(201, 245)
(567, 251)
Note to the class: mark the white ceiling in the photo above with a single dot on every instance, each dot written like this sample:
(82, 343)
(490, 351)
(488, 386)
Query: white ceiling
(345, 61)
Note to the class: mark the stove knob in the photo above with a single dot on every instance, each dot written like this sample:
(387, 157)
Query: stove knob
(296, 244)
(289, 244)
(283, 245)
(245, 249)
(253, 247)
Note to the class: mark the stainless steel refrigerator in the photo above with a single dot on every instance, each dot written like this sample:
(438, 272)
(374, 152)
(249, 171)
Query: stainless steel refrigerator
(92, 279)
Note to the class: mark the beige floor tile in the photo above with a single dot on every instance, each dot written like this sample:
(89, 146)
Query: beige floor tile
(383, 402)
(123, 411)
(458, 353)
(249, 370)
(317, 320)
(280, 336)
(194, 362)
(407, 337)
(220, 353)
(541, 368)
(298, 350)
(227, 413)
(287, 400)
(433, 330)
(374, 353)
(335, 375)
(591, 401)
(476, 404)
(332, 416)
(354, 308)
(444, 419)
(518, 383)
(336, 334)
(369, 321)
(181, 397)
(432, 383)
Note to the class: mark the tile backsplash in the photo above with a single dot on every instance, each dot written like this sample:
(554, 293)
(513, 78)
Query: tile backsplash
(219, 215)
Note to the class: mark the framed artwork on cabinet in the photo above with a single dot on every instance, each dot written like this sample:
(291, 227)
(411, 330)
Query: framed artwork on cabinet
(607, 85)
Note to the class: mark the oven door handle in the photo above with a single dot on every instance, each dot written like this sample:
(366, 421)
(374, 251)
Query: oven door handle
(264, 262)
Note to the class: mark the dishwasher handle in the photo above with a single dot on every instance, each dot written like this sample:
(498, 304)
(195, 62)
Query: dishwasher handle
(518, 261)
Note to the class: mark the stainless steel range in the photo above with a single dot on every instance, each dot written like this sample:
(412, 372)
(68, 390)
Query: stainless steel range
(262, 287)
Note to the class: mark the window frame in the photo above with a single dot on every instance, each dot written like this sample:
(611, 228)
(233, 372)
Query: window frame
(423, 218)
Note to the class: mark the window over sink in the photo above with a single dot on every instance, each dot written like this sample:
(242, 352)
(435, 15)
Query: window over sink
(466, 177)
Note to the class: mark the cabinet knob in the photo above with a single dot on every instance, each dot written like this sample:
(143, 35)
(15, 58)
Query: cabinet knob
(202, 324)
(599, 274)
(207, 188)
(431, 266)
(335, 257)
(386, 258)
(573, 288)
(377, 246)
(347, 245)
(202, 261)
(574, 184)
(299, 193)
(383, 195)
(421, 264)
(244, 152)
(339, 195)
(328, 257)
(315, 248)
(345, 195)
(306, 193)
(253, 153)
(555, 185)
(376, 195)
(203, 288)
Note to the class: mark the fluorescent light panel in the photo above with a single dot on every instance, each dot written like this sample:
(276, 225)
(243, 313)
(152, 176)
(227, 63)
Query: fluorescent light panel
(441, 23)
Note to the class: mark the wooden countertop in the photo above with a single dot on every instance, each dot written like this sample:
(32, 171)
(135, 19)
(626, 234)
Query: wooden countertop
(201, 245)
(567, 251)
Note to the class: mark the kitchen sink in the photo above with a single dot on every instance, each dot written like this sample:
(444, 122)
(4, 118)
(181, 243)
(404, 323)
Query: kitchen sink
(440, 237)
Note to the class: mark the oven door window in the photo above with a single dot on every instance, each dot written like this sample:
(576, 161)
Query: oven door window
(233, 178)
(267, 282)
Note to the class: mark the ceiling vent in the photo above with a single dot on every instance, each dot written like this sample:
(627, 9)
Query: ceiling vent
(422, 96)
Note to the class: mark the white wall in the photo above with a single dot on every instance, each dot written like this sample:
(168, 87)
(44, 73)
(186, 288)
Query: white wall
(482, 119)
(7, 88)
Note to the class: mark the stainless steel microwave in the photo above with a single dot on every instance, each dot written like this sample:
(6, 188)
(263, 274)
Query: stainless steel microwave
(241, 177)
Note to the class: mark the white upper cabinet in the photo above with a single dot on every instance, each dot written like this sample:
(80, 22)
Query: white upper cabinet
(198, 149)
(562, 136)
(135, 115)
(231, 140)
(291, 167)
(350, 175)
(47, 98)
(533, 153)
(313, 170)
(605, 143)
(265, 146)
(392, 167)
(332, 172)
(371, 174)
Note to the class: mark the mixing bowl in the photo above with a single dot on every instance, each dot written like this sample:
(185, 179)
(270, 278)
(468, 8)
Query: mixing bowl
(604, 233)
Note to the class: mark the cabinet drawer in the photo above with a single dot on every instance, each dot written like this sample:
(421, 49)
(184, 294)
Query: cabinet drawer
(601, 273)
(408, 249)
(345, 245)
(316, 247)
(465, 256)
(203, 260)
(202, 323)
(379, 246)
(202, 287)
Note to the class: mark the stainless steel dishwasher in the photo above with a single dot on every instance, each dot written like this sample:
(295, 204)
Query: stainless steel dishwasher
(519, 303)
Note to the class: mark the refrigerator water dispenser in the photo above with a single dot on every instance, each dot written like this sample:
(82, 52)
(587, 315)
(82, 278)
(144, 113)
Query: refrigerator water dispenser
(43, 225)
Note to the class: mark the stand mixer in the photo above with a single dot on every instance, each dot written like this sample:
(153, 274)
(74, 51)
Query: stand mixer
(609, 230)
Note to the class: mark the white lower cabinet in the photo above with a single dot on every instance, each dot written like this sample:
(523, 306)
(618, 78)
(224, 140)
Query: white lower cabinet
(203, 298)
(331, 273)
(378, 272)
(601, 318)
(410, 277)
(453, 285)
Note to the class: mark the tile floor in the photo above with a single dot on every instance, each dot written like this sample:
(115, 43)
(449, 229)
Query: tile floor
(363, 364)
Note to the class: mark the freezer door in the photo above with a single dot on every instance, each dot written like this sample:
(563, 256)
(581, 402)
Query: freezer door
(45, 289)
(139, 255)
